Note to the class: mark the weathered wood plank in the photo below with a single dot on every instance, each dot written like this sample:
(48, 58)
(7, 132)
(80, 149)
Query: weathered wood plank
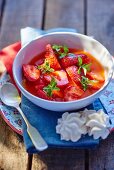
(73, 17)
(19, 14)
(1, 1)
(100, 17)
(63, 13)
(12, 152)
(59, 159)
(70, 14)
(100, 22)
(103, 157)
(1, 11)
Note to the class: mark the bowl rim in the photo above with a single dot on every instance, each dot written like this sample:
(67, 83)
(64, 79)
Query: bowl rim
(63, 102)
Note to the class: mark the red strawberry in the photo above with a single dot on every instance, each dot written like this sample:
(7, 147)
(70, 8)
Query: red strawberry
(57, 93)
(40, 85)
(72, 59)
(96, 85)
(73, 74)
(85, 59)
(69, 60)
(60, 77)
(72, 93)
(43, 95)
(95, 76)
(31, 72)
(51, 58)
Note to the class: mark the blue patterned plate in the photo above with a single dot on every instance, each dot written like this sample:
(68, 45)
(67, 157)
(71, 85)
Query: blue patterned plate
(9, 114)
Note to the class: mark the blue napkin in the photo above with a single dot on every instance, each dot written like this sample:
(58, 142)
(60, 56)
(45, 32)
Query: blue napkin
(44, 120)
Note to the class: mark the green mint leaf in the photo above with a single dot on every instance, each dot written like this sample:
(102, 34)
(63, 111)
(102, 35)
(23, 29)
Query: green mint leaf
(57, 48)
(79, 70)
(65, 48)
(84, 82)
(52, 86)
(79, 61)
(86, 68)
(62, 51)
(48, 91)
(57, 88)
(45, 68)
(53, 83)
(62, 55)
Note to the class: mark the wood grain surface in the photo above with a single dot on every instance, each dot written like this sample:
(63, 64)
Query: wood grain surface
(19, 14)
(100, 24)
(94, 17)
(16, 15)
(63, 13)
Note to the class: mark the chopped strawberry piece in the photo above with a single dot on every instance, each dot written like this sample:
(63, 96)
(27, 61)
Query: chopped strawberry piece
(72, 59)
(51, 58)
(87, 93)
(40, 84)
(31, 72)
(57, 93)
(73, 74)
(96, 85)
(40, 61)
(69, 60)
(85, 59)
(43, 95)
(60, 77)
(95, 76)
(72, 93)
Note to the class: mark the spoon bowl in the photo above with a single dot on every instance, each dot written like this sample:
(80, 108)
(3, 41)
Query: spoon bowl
(9, 95)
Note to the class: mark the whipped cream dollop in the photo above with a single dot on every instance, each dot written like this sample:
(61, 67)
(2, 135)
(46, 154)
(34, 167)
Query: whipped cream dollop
(98, 124)
(73, 125)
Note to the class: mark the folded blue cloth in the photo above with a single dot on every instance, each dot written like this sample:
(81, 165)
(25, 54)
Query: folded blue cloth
(44, 120)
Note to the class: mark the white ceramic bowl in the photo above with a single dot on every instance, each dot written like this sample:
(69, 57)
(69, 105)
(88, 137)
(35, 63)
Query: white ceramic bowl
(72, 40)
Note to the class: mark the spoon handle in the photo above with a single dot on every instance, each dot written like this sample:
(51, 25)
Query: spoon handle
(35, 136)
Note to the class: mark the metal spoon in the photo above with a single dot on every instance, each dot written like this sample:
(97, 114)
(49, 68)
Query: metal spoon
(10, 96)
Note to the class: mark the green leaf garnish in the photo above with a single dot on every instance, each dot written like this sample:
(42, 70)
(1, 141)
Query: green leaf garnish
(62, 51)
(84, 82)
(79, 70)
(66, 50)
(79, 61)
(85, 67)
(62, 55)
(52, 86)
(57, 48)
(45, 68)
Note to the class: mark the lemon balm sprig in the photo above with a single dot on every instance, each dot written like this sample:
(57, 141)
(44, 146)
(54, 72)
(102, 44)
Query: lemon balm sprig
(52, 86)
(61, 50)
(45, 68)
(85, 67)
(84, 82)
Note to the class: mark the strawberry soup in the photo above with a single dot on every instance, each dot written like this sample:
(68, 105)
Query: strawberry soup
(63, 74)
